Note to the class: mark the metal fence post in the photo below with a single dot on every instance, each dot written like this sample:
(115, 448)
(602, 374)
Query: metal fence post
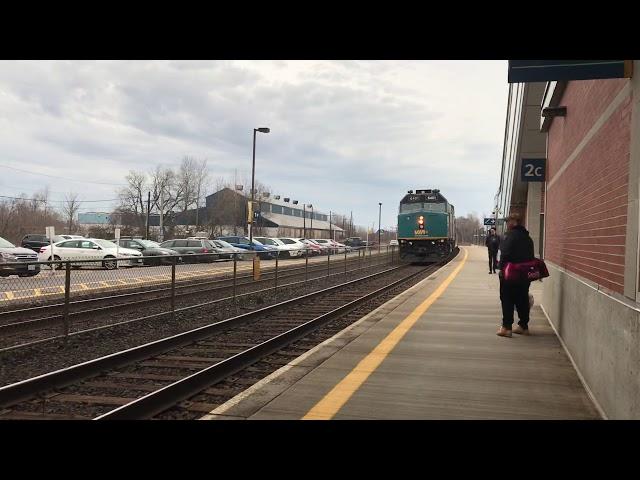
(345, 261)
(235, 272)
(67, 294)
(275, 292)
(173, 287)
(306, 264)
(328, 264)
(387, 252)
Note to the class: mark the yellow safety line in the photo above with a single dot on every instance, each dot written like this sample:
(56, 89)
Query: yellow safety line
(333, 401)
(9, 295)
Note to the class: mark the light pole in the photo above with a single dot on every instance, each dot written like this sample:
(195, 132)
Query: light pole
(253, 175)
(379, 221)
(330, 225)
(311, 206)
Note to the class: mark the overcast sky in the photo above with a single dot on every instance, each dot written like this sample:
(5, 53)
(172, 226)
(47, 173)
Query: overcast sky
(345, 135)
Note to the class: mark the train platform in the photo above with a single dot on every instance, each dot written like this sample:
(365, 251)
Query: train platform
(430, 353)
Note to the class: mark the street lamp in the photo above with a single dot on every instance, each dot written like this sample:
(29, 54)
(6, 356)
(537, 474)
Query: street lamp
(253, 175)
(304, 218)
(311, 206)
(379, 221)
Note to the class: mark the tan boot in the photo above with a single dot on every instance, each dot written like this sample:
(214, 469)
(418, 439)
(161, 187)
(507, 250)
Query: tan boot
(521, 331)
(503, 332)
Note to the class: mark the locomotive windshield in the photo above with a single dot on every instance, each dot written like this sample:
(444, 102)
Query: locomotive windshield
(422, 207)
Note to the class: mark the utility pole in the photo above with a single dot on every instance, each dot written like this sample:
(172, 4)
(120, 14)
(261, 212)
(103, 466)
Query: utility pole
(148, 210)
(161, 214)
(330, 236)
(351, 225)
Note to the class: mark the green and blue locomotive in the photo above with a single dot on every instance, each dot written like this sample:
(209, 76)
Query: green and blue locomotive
(426, 226)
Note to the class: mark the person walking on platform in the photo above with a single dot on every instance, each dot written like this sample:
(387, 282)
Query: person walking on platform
(492, 243)
(516, 247)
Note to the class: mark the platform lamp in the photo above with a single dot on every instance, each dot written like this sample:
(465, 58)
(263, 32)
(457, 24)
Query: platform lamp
(379, 222)
(253, 176)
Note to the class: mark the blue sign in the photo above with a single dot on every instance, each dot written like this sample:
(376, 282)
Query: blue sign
(533, 170)
(490, 221)
(521, 71)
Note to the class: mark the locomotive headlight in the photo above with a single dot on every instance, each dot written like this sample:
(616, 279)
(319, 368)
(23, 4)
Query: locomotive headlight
(421, 222)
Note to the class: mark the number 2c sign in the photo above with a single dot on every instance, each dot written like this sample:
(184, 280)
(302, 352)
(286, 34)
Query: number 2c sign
(533, 170)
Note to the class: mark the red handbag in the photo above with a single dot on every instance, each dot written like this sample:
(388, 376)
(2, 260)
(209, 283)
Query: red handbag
(525, 271)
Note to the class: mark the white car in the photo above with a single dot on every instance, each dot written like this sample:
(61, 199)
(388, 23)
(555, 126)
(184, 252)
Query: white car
(297, 247)
(326, 244)
(393, 243)
(90, 249)
(286, 250)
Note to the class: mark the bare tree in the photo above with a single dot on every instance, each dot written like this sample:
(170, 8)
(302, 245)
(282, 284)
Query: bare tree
(467, 227)
(202, 177)
(70, 207)
(132, 198)
(166, 194)
(187, 182)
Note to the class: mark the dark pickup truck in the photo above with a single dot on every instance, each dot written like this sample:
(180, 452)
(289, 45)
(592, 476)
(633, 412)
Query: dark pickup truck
(356, 242)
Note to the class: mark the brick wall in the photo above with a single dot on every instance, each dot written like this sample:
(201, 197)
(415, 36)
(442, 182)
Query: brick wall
(585, 100)
(587, 206)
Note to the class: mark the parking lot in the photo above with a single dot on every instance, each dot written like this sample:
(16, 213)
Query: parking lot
(50, 283)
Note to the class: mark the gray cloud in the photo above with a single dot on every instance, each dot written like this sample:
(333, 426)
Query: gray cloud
(345, 135)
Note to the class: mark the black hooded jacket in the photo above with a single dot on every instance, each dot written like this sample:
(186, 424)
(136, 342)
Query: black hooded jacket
(516, 246)
(492, 242)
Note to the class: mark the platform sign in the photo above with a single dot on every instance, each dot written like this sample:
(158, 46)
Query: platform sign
(533, 170)
(490, 221)
(522, 71)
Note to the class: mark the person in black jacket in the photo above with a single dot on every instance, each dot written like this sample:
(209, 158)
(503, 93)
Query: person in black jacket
(492, 243)
(516, 247)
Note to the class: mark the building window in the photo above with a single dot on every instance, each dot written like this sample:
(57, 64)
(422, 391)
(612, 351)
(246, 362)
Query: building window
(297, 213)
(276, 209)
(286, 211)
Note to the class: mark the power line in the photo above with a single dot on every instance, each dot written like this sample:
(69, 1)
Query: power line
(63, 178)
(59, 201)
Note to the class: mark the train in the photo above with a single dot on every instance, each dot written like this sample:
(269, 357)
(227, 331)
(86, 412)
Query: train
(426, 226)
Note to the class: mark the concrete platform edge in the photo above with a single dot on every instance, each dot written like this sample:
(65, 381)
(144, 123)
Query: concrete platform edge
(238, 406)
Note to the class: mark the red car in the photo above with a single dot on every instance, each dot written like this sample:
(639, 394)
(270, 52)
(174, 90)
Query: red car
(314, 248)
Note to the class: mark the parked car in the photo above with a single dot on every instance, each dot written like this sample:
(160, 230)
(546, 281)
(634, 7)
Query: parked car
(188, 247)
(36, 241)
(9, 253)
(240, 253)
(328, 244)
(286, 250)
(104, 251)
(265, 252)
(295, 243)
(325, 248)
(149, 248)
(312, 247)
(393, 243)
(356, 242)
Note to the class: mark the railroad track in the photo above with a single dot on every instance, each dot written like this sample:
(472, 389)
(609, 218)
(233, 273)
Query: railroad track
(146, 381)
(224, 278)
(97, 318)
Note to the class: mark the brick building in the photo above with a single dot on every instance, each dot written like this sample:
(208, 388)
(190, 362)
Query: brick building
(584, 221)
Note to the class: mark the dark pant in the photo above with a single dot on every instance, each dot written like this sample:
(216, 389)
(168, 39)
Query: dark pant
(493, 261)
(514, 294)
